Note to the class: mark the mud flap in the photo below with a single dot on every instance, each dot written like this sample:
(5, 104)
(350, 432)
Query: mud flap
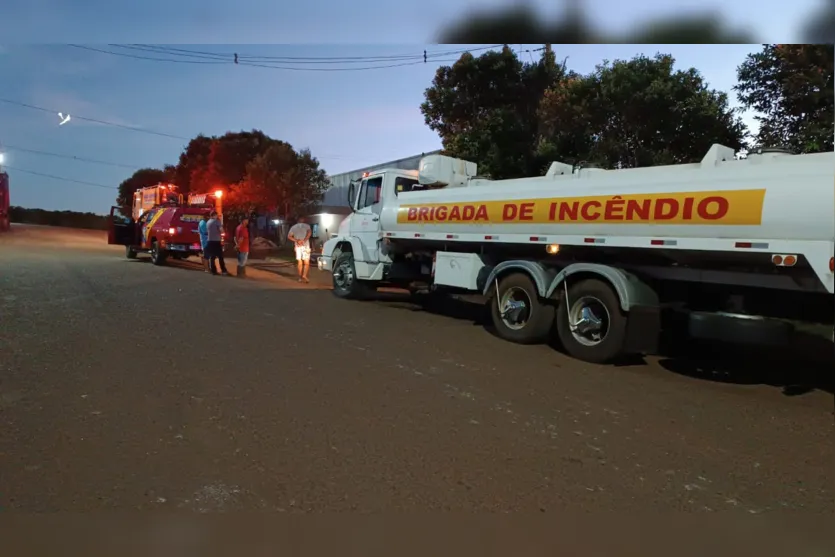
(643, 329)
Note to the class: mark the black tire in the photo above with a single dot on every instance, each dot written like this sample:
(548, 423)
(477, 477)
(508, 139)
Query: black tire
(158, 255)
(130, 253)
(345, 283)
(537, 319)
(598, 296)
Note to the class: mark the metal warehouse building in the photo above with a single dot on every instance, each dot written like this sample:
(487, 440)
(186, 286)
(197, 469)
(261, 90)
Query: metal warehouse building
(337, 194)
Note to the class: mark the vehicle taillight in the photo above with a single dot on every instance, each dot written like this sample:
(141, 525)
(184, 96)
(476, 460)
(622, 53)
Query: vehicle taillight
(172, 230)
(832, 264)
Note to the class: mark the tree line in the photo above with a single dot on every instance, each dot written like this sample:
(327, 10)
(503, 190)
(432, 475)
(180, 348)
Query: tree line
(513, 118)
(255, 172)
(68, 219)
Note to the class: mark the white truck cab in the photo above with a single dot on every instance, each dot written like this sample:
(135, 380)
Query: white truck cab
(362, 230)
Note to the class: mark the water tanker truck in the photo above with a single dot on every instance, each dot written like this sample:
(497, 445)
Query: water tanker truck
(600, 258)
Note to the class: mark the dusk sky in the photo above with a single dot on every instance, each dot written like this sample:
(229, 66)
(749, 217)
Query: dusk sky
(348, 119)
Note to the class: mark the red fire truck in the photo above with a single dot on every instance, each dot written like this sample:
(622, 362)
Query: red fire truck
(160, 224)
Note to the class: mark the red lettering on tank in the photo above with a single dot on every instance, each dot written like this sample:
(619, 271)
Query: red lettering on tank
(441, 213)
(665, 208)
(569, 211)
(585, 210)
(423, 214)
(455, 213)
(509, 212)
(526, 211)
(481, 213)
(468, 212)
(640, 209)
(713, 208)
(552, 210)
(614, 208)
(687, 210)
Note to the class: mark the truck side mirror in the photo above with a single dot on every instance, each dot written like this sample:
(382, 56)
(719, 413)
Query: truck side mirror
(352, 189)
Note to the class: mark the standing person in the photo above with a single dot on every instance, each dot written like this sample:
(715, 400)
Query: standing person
(242, 245)
(203, 231)
(300, 235)
(215, 229)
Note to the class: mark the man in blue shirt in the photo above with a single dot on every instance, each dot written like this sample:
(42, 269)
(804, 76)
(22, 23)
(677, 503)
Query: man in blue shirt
(204, 240)
(215, 230)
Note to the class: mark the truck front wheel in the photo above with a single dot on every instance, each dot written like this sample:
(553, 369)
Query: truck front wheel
(518, 313)
(158, 255)
(590, 323)
(345, 282)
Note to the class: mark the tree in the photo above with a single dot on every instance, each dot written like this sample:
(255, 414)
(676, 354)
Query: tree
(311, 183)
(142, 178)
(639, 112)
(791, 86)
(485, 110)
(193, 158)
(282, 179)
(228, 156)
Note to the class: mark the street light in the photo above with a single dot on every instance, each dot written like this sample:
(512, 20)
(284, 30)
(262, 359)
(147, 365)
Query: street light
(219, 204)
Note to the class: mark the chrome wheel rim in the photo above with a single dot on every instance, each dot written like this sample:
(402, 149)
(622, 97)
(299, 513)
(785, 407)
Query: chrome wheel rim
(589, 321)
(343, 275)
(515, 308)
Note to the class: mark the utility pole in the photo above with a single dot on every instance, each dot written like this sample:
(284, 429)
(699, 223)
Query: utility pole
(548, 58)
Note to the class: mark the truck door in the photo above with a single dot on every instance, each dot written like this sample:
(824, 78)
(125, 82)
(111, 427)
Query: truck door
(365, 222)
(121, 230)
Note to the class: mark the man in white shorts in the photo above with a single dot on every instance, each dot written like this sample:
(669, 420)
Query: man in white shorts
(300, 235)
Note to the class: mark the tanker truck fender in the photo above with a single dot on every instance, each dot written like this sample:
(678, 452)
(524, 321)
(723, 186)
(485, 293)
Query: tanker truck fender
(348, 244)
(634, 327)
(630, 289)
(541, 276)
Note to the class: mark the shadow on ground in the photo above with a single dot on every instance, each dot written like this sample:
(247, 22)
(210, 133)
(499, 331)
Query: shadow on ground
(806, 366)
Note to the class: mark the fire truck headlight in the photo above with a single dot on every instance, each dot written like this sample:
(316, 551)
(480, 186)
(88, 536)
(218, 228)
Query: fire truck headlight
(172, 231)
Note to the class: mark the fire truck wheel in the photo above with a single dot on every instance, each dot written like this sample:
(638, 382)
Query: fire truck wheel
(130, 253)
(599, 324)
(518, 313)
(158, 255)
(345, 283)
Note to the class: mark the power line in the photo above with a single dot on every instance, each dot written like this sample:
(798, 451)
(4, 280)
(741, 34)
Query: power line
(61, 178)
(96, 121)
(300, 59)
(230, 57)
(73, 157)
(148, 57)
(270, 62)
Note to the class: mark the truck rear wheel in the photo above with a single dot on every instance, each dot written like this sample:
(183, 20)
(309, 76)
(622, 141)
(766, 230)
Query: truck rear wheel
(158, 255)
(518, 313)
(345, 283)
(590, 323)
